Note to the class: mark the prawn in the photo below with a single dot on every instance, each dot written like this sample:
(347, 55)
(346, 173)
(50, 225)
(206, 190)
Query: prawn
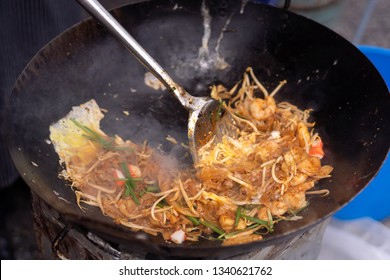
(262, 109)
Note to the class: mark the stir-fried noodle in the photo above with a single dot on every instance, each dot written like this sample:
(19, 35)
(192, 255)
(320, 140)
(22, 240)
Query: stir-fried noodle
(243, 183)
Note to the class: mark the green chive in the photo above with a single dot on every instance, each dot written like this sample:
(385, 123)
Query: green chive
(97, 138)
(152, 189)
(212, 226)
(92, 135)
(149, 189)
(238, 216)
(194, 220)
(127, 174)
(130, 191)
(130, 184)
(255, 220)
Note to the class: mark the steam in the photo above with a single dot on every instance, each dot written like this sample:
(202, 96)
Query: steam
(158, 136)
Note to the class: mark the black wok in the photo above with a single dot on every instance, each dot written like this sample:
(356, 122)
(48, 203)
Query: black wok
(324, 72)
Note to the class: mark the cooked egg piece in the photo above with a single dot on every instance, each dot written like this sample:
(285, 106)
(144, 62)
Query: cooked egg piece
(69, 140)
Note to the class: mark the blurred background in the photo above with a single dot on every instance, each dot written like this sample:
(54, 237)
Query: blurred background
(28, 25)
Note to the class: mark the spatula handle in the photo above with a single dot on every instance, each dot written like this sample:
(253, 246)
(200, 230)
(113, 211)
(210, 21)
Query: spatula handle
(94, 8)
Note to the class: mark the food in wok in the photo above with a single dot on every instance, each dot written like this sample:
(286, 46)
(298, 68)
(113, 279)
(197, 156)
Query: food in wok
(255, 172)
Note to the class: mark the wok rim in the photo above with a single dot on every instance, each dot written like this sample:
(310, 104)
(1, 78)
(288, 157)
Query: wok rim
(69, 215)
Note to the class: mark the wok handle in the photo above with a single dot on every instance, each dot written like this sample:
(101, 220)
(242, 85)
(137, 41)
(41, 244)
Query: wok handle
(94, 8)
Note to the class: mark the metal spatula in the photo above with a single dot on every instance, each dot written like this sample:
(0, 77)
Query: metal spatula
(202, 111)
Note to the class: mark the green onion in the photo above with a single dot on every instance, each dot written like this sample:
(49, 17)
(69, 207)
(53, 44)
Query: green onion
(124, 179)
(97, 138)
(127, 174)
(211, 226)
(238, 216)
(255, 220)
(92, 135)
(194, 220)
(267, 224)
(152, 189)
(149, 189)
(130, 184)
(129, 191)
